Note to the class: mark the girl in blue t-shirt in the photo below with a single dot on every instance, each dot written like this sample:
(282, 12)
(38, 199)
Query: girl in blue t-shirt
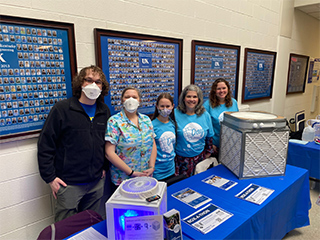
(164, 127)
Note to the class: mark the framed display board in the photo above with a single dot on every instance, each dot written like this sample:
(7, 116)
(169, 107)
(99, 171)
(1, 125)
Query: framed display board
(37, 64)
(298, 67)
(258, 74)
(151, 64)
(211, 61)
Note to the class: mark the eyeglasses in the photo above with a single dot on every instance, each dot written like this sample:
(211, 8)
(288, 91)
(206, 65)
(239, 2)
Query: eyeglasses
(98, 82)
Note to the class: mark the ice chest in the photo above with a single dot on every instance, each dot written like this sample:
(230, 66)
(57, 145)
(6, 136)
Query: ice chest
(254, 144)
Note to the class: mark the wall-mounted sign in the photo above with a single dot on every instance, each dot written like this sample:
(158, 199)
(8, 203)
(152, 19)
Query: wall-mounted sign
(258, 74)
(211, 61)
(298, 67)
(151, 64)
(37, 64)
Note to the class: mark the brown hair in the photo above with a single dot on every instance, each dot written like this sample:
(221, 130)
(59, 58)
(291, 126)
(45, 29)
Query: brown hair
(156, 112)
(214, 101)
(131, 88)
(79, 80)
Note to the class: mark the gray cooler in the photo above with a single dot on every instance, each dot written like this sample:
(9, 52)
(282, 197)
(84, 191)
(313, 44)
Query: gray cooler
(254, 144)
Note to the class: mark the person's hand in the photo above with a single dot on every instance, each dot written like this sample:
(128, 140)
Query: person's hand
(138, 174)
(103, 174)
(208, 155)
(149, 171)
(215, 149)
(55, 186)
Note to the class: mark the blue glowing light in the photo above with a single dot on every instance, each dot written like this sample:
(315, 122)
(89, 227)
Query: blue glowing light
(128, 213)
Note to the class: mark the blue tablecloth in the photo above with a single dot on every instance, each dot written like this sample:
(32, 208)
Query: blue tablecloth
(286, 208)
(305, 156)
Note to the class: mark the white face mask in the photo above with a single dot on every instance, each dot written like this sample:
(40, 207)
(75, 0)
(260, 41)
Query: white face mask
(92, 91)
(131, 105)
(165, 112)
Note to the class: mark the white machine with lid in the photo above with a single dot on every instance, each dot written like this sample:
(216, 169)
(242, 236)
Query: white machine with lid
(254, 144)
(129, 200)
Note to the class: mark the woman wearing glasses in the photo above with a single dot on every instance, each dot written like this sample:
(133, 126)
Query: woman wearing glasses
(130, 145)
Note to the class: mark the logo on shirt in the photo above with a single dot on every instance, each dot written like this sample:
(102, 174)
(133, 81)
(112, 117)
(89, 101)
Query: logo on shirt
(192, 132)
(221, 117)
(167, 141)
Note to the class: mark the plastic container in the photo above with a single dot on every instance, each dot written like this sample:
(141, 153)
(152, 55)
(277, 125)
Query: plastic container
(316, 128)
(308, 134)
(311, 122)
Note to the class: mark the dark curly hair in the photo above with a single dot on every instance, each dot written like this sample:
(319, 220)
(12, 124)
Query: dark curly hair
(214, 101)
(79, 80)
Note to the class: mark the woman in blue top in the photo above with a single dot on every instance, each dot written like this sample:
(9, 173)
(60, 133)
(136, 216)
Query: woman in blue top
(164, 127)
(194, 131)
(219, 101)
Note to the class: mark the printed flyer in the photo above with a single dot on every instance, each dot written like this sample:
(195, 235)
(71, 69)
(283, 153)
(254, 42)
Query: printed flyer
(191, 197)
(255, 194)
(220, 182)
(207, 218)
(144, 227)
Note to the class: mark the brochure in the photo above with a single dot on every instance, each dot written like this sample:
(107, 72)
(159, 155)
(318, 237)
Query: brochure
(207, 218)
(220, 182)
(191, 197)
(88, 234)
(148, 227)
(255, 194)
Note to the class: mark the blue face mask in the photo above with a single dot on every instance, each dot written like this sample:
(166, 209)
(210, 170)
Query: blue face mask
(165, 112)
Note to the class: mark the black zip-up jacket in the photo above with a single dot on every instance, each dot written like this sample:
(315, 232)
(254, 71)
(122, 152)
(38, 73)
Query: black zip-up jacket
(72, 147)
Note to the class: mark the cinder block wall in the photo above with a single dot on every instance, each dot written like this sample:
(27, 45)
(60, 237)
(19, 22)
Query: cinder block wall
(26, 205)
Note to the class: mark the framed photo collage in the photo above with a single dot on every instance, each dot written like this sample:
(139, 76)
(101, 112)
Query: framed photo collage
(38, 63)
(151, 64)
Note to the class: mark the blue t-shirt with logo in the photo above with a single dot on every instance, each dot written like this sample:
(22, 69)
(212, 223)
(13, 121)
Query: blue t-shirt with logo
(192, 132)
(90, 110)
(217, 117)
(165, 137)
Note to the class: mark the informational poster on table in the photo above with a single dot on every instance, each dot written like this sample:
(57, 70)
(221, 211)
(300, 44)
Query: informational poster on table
(36, 70)
(255, 194)
(191, 197)
(207, 218)
(220, 182)
(144, 227)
